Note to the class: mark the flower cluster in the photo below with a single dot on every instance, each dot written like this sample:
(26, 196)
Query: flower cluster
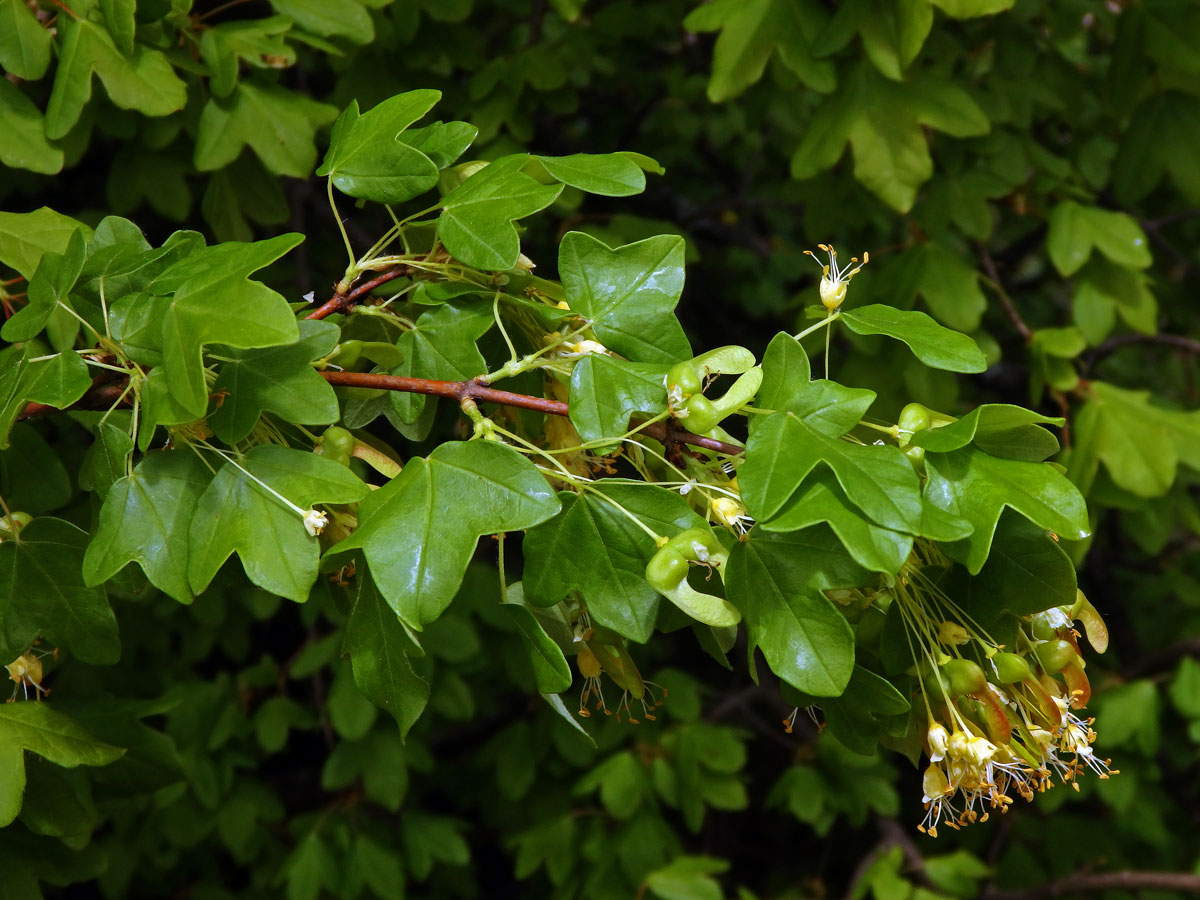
(1007, 726)
(602, 652)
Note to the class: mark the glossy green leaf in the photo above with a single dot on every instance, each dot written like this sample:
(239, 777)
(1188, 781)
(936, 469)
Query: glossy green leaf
(442, 142)
(41, 729)
(783, 450)
(13, 366)
(996, 428)
(58, 381)
(441, 346)
(24, 42)
(215, 302)
(805, 639)
(50, 285)
(24, 237)
(106, 460)
(786, 372)
(419, 530)
(977, 486)
(607, 174)
(1075, 230)
(821, 500)
(1026, 572)
(23, 143)
(279, 380)
(43, 594)
(875, 693)
(235, 514)
(159, 407)
(605, 392)
(378, 646)
(594, 548)
(146, 518)
(826, 406)
(934, 345)
(476, 223)
(551, 673)
(628, 294)
(143, 80)
(367, 157)
(124, 263)
(278, 124)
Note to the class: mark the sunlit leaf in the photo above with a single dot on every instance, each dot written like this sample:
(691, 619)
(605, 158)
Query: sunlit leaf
(419, 530)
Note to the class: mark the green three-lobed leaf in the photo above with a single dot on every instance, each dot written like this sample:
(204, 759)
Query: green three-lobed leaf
(215, 302)
(628, 294)
(418, 531)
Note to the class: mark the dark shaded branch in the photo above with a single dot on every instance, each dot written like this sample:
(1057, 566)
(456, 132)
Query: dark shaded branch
(1183, 882)
(341, 302)
(99, 396)
(1010, 308)
(1113, 344)
(474, 390)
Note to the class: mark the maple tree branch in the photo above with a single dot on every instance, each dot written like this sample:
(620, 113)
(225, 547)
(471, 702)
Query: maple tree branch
(477, 391)
(102, 396)
(341, 302)
(98, 396)
(1085, 883)
(1010, 308)
(454, 390)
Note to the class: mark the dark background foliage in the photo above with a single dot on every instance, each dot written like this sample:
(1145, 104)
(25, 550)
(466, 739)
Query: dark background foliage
(1025, 172)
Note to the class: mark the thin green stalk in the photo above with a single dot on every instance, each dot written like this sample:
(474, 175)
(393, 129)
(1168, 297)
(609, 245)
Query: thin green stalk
(341, 227)
(822, 324)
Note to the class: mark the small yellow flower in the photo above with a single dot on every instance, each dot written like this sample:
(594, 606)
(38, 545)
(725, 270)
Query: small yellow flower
(939, 741)
(834, 280)
(732, 514)
(952, 633)
(583, 348)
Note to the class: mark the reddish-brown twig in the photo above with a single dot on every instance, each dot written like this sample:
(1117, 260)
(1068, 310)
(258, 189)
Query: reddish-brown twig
(479, 392)
(101, 396)
(341, 302)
